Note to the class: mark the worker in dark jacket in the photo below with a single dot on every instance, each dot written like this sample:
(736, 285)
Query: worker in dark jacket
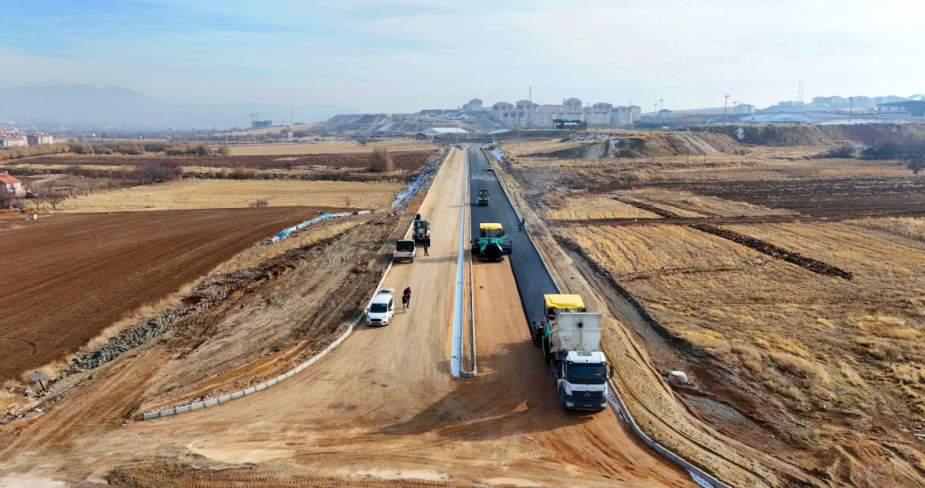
(406, 297)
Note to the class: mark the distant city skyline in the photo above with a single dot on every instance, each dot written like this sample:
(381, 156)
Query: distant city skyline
(414, 54)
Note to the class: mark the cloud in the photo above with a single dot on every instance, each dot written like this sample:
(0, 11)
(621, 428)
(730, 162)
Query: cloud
(414, 54)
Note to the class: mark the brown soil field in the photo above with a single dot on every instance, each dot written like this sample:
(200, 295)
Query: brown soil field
(78, 274)
(788, 288)
(328, 148)
(202, 193)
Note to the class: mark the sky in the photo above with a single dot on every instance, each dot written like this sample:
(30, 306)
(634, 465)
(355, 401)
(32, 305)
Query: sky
(407, 55)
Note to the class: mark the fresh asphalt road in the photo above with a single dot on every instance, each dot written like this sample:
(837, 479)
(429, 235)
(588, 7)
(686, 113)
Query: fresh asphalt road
(533, 281)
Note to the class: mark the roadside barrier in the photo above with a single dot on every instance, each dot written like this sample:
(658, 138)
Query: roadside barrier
(698, 475)
(301, 367)
(467, 196)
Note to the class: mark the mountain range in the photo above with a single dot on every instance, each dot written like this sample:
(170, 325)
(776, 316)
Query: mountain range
(89, 107)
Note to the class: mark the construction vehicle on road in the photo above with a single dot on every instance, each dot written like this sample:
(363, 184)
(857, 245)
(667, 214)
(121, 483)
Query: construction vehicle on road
(570, 337)
(404, 249)
(421, 232)
(483, 198)
(490, 244)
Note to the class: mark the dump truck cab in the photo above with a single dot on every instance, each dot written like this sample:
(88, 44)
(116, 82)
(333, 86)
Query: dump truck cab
(490, 244)
(483, 198)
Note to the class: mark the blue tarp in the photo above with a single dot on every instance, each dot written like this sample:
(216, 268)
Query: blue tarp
(285, 232)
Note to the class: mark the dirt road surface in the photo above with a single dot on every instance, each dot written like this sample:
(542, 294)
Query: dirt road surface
(382, 406)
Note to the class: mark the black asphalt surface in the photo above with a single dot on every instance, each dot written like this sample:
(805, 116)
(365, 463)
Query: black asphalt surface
(533, 281)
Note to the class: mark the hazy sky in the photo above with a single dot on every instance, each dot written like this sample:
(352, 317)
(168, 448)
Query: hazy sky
(431, 54)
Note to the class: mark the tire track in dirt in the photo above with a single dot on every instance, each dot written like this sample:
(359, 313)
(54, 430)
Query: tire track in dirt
(759, 245)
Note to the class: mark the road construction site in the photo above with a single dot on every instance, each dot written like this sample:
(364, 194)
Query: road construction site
(381, 408)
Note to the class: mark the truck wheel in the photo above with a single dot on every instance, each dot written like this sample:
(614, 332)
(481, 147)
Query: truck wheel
(546, 353)
(535, 337)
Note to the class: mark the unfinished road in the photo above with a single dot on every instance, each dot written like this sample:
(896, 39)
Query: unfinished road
(381, 409)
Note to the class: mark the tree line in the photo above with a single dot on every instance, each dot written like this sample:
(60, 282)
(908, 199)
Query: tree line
(121, 148)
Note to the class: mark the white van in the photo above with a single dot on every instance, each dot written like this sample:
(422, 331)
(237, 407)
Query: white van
(382, 308)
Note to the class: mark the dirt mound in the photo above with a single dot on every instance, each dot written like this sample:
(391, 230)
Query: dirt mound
(813, 135)
(626, 144)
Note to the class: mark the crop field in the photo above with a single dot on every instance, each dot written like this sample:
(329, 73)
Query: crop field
(404, 160)
(329, 148)
(194, 193)
(87, 271)
(788, 288)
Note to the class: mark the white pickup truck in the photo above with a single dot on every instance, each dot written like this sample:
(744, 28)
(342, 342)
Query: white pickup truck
(404, 249)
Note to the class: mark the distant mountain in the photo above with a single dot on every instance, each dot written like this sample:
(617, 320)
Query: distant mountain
(114, 107)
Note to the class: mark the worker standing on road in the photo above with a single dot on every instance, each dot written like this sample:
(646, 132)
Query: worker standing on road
(406, 297)
(404, 303)
(426, 247)
(523, 223)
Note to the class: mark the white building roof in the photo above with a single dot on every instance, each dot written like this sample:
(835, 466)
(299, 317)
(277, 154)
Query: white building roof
(433, 131)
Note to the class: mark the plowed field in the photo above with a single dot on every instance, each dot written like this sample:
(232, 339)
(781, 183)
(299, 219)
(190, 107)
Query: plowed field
(70, 276)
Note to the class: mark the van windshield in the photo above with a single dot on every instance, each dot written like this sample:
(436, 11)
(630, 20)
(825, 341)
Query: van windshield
(378, 308)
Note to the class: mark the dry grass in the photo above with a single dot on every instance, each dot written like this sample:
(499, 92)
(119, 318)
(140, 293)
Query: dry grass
(327, 148)
(828, 357)
(591, 206)
(823, 336)
(687, 204)
(197, 194)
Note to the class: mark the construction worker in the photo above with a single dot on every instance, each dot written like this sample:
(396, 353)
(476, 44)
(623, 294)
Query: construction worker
(406, 297)
(426, 247)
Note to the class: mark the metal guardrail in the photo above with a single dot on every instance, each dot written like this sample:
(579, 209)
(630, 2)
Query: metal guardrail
(698, 475)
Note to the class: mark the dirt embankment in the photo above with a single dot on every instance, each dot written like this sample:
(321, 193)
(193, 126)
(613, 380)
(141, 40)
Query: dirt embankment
(634, 144)
(812, 135)
(730, 139)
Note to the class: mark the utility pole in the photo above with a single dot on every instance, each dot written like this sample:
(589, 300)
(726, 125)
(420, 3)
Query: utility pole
(725, 104)
(850, 110)
(661, 104)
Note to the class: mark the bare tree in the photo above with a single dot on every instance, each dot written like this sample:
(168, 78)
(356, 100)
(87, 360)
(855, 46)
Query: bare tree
(380, 161)
(54, 198)
(916, 164)
(6, 197)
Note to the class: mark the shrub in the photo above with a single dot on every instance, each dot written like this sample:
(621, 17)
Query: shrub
(243, 174)
(381, 161)
(840, 152)
(259, 203)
